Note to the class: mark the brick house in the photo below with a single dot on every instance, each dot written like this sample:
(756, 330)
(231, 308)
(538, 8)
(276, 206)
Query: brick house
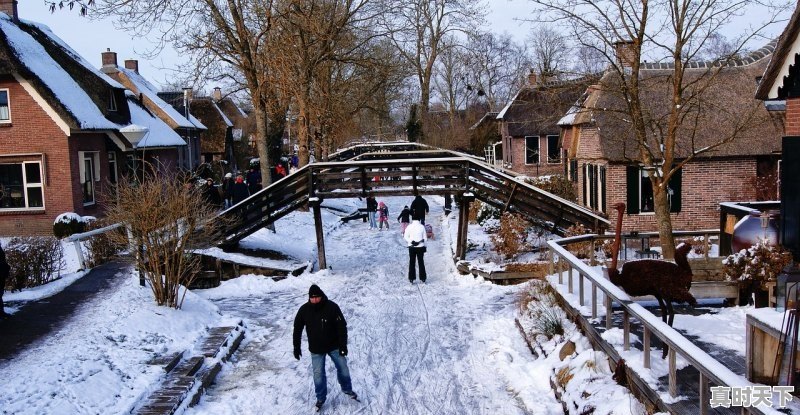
(243, 128)
(189, 128)
(528, 125)
(780, 90)
(602, 152)
(66, 129)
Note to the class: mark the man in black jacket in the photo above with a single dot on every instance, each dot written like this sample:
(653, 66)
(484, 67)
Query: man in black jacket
(419, 208)
(326, 329)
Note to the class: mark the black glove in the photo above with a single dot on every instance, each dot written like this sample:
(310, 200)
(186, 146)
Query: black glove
(343, 351)
(297, 354)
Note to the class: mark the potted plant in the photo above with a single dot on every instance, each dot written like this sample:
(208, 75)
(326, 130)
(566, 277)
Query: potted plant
(756, 268)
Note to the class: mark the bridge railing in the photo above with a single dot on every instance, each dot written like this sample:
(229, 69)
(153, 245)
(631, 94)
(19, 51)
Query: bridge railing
(710, 370)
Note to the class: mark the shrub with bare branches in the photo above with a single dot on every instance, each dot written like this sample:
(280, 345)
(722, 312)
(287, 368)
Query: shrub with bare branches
(34, 261)
(166, 220)
(581, 250)
(511, 238)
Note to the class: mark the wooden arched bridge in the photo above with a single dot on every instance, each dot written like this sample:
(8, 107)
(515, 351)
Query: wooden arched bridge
(403, 169)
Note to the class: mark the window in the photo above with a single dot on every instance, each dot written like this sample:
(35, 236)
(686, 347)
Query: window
(112, 101)
(553, 150)
(594, 187)
(5, 108)
(640, 191)
(88, 165)
(112, 167)
(531, 150)
(21, 185)
(572, 170)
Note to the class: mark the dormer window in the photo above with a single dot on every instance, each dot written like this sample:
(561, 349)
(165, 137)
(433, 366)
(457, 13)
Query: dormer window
(112, 101)
(5, 108)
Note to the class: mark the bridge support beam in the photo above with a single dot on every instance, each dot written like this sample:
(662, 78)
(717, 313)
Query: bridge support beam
(315, 203)
(463, 221)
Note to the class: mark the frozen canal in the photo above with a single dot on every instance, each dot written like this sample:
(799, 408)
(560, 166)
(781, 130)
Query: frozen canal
(446, 347)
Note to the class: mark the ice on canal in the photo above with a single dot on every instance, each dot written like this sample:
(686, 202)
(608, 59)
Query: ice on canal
(446, 347)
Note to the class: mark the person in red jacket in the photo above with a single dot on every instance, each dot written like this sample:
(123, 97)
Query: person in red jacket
(326, 329)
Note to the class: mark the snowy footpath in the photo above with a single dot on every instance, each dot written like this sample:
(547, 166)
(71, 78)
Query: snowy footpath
(446, 347)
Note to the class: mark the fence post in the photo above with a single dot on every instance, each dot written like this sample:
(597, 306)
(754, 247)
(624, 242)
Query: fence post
(626, 330)
(646, 347)
(609, 311)
(673, 373)
(78, 249)
(580, 288)
(703, 394)
(594, 301)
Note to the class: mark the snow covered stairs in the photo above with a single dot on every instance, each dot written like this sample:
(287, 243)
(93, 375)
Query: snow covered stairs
(188, 378)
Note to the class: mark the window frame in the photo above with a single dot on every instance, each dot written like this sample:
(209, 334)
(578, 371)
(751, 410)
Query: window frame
(94, 158)
(556, 160)
(112, 101)
(8, 100)
(538, 152)
(27, 185)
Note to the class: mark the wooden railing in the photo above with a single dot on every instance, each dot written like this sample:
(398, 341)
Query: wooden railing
(710, 370)
(77, 238)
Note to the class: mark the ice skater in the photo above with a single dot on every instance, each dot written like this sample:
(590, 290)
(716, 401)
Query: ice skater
(326, 330)
(416, 237)
(383, 216)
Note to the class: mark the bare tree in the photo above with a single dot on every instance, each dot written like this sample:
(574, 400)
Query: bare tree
(549, 50)
(229, 37)
(418, 29)
(675, 29)
(498, 66)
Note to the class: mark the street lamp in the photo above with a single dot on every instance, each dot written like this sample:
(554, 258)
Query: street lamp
(187, 93)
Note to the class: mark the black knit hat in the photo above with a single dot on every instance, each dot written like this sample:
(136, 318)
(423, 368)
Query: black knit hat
(315, 291)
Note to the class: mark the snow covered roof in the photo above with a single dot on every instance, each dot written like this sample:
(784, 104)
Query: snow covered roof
(140, 85)
(159, 133)
(222, 114)
(175, 99)
(42, 58)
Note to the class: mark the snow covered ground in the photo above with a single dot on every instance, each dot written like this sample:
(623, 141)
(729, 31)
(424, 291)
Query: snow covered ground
(449, 346)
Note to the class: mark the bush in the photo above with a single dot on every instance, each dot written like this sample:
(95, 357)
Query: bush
(34, 261)
(512, 236)
(486, 212)
(104, 246)
(556, 184)
(539, 303)
(757, 265)
(67, 224)
(581, 250)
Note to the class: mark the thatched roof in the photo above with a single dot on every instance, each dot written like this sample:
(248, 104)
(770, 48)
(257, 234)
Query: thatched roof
(80, 94)
(777, 70)
(725, 108)
(536, 110)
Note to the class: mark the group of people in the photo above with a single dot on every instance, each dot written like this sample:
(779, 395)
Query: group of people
(412, 226)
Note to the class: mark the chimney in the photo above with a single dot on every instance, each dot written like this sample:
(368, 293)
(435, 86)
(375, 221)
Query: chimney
(109, 59)
(626, 52)
(132, 64)
(217, 94)
(9, 7)
(532, 78)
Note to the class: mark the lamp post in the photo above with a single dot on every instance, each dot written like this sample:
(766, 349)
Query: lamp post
(187, 92)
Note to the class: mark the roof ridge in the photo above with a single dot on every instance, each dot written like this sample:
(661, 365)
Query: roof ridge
(750, 59)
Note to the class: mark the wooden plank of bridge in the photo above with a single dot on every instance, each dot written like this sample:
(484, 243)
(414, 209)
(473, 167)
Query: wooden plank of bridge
(315, 205)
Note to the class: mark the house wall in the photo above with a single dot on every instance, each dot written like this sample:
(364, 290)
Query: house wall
(517, 158)
(792, 123)
(33, 131)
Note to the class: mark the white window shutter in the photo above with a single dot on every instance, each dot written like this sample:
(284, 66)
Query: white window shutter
(96, 167)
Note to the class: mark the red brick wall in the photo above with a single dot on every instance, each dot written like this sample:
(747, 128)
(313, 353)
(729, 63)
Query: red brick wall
(517, 151)
(792, 125)
(33, 131)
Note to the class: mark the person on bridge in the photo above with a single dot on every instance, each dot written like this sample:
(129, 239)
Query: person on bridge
(239, 190)
(404, 219)
(372, 207)
(326, 330)
(416, 236)
(5, 270)
(383, 216)
(211, 195)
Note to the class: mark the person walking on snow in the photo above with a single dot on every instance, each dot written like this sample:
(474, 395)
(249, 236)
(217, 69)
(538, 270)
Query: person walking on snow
(372, 207)
(419, 208)
(416, 236)
(326, 330)
(383, 216)
(404, 218)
